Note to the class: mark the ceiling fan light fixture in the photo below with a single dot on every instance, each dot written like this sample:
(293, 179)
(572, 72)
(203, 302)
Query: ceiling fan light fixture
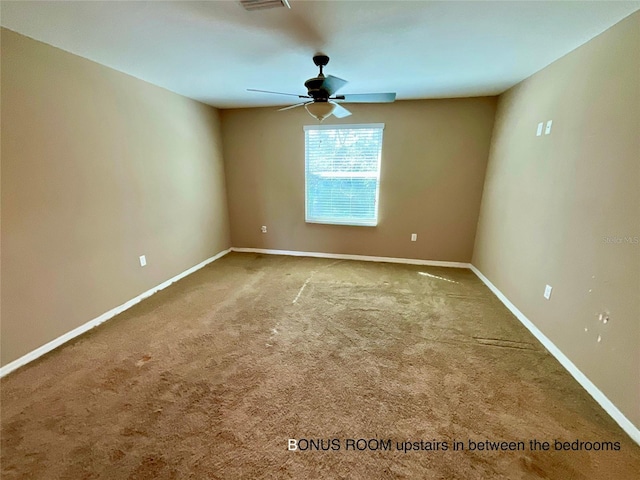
(320, 110)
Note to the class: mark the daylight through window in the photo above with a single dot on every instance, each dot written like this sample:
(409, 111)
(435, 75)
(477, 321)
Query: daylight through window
(342, 173)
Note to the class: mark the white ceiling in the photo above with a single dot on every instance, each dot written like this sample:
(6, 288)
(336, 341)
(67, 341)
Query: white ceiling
(213, 51)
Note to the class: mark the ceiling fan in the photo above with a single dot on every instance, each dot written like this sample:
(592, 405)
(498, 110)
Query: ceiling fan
(321, 92)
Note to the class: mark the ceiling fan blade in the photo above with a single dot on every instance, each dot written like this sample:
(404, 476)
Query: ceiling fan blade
(278, 93)
(293, 106)
(367, 98)
(340, 111)
(332, 84)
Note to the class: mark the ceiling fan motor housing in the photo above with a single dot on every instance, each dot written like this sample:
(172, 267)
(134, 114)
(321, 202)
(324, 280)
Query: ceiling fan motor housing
(315, 90)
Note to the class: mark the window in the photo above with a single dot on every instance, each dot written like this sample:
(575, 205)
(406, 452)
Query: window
(342, 173)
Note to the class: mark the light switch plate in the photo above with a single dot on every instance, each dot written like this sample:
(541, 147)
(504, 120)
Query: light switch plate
(414, 237)
(547, 130)
(539, 131)
(143, 260)
(547, 291)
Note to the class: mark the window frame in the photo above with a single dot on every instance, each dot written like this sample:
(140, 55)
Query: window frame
(344, 126)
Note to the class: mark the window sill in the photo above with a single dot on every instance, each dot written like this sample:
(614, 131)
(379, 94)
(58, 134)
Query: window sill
(345, 223)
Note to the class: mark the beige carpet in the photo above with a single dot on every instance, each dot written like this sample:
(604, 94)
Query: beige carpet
(211, 377)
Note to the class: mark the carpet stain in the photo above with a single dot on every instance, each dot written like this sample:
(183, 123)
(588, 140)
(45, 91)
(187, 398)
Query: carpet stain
(153, 466)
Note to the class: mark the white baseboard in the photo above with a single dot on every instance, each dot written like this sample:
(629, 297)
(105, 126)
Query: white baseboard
(38, 352)
(582, 379)
(364, 258)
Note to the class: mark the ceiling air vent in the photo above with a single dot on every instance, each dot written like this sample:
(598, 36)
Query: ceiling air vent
(251, 5)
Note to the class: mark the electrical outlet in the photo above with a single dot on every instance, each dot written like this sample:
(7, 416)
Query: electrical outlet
(547, 130)
(414, 237)
(547, 291)
(263, 229)
(143, 260)
(540, 127)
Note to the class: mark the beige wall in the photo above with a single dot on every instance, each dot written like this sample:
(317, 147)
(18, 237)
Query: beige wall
(97, 168)
(433, 164)
(550, 202)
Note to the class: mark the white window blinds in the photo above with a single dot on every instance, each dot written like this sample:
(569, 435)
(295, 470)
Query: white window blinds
(342, 173)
